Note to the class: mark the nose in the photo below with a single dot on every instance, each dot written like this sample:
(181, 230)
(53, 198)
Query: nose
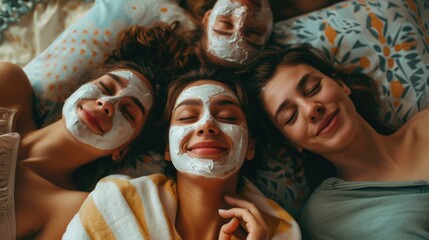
(315, 112)
(106, 107)
(209, 127)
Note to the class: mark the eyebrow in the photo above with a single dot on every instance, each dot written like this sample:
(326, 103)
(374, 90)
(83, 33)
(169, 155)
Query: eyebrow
(189, 102)
(302, 82)
(198, 102)
(117, 79)
(225, 102)
(139, 104)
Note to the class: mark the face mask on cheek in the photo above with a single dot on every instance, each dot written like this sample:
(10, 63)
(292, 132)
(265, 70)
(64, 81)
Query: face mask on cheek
(121, 131)
(220, 168)
(234, 48)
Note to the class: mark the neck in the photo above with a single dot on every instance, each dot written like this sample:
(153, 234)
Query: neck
(54, 154)
(201, 198)
(365, 156)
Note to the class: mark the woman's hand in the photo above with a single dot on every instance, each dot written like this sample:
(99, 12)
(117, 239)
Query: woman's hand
(245, 211)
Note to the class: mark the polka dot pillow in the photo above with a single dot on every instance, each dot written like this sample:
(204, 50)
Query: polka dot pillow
(55, 73)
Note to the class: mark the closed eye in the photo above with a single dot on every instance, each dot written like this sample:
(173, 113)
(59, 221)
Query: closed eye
(127, 114)
(105, 88)
(187, 118)
(292, 118)
(227, 24)
(254, 32)
(314, 89)
(228, 119)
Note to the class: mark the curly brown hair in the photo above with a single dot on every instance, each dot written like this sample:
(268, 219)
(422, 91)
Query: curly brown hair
(197, 8)
(164, 48)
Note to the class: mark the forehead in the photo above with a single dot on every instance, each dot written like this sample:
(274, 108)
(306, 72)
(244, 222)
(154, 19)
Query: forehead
(283, 83)
(205, 89)
(125, 76)
(288, 75)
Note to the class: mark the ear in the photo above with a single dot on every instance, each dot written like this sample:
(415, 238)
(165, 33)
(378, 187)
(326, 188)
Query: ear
(206, 16)
(250, 154)
(119, 154)
(346, 88)
(167, 156)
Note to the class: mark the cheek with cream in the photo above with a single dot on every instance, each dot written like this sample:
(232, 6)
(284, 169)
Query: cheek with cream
(121, 130)
(234, 48)
(220, 168)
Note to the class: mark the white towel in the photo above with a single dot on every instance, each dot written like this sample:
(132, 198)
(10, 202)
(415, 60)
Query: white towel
(145, 208)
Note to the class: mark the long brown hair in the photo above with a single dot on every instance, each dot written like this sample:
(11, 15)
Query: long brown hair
(364, 95)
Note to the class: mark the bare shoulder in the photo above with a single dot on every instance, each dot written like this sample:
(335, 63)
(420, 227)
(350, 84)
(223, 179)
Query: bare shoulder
(421, 119)
(418, 125)
(16, 92)
(63, 207)
(12, 77)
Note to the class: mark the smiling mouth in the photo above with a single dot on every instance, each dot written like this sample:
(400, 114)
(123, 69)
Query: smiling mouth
(91, 122)
(207, 149)
(329, 123)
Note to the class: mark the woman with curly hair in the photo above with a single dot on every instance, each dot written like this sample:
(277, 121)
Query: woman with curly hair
(44, 170)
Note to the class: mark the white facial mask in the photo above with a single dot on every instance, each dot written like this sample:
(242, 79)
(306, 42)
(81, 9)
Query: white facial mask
(222, 168)
(121, 130)
(234, 48)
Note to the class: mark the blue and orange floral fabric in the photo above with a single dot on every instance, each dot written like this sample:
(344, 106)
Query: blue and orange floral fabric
(389, 40)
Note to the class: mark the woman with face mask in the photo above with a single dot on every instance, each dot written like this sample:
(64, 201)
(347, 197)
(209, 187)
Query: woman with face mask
(43, 170)
(282, 9)
(234, 31)
(207, 197)
(372, 180)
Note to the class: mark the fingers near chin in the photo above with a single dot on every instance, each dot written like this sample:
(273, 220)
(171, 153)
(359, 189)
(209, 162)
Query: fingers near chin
(233, 212)
(230, 227)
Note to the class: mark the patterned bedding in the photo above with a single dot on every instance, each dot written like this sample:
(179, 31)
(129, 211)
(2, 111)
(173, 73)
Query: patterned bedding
(388, 40)
(28, 27)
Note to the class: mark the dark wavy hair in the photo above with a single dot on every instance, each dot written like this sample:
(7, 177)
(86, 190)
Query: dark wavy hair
(235, 84)
(364, 95)
(197, 8)
(164, 48)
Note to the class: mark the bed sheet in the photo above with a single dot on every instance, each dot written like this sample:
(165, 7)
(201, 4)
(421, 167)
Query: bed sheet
(28, 27)
(386, 39)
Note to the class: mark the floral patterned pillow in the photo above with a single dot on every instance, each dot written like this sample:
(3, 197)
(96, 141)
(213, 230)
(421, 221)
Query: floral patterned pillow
(388, 40)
